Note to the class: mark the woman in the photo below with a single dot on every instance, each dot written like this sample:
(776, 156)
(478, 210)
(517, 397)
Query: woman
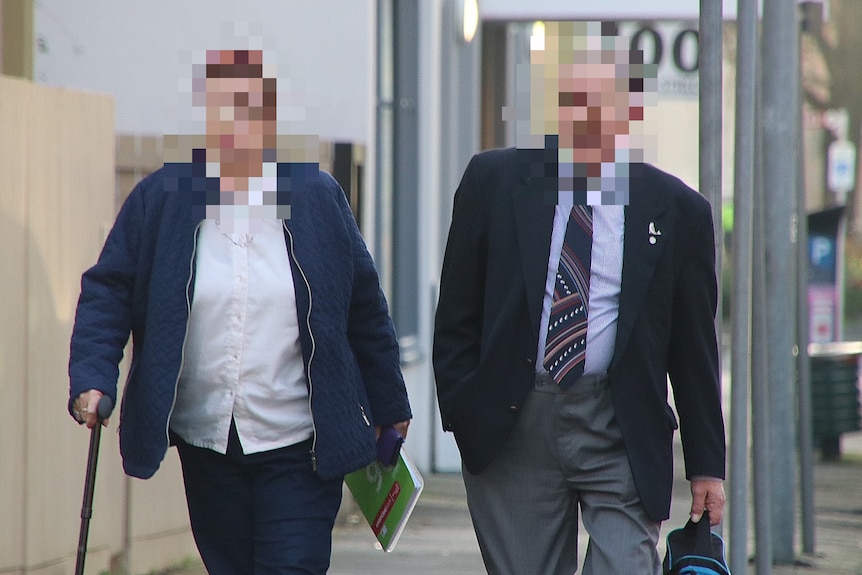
(262, 344)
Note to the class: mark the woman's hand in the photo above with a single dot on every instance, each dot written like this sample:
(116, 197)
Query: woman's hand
(400, 427)
(86, 407)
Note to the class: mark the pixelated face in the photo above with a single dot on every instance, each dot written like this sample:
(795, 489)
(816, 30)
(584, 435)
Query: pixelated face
(235, 113)
(594, 108)
(587, 88)
(243, 172)
(580, 87)
(240, 104)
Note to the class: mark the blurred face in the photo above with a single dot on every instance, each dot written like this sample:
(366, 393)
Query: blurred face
(594, 112)
(240, 113)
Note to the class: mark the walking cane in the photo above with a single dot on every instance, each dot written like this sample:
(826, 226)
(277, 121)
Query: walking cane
(102, 413)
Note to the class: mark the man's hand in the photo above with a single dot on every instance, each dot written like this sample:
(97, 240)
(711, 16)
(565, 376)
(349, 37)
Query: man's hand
(707, 495)
(86, 408)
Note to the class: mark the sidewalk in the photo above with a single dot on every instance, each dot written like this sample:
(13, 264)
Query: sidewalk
(439, 539)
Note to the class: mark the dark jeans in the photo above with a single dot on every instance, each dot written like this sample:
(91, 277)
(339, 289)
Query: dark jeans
(263, 513)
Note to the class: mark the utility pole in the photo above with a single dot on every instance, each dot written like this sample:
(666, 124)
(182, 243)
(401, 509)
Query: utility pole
(741, 322)
(710, 104)
(780, 47)
(812, 21)
(760, 437)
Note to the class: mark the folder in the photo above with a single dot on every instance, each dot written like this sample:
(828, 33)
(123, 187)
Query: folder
(386, 496)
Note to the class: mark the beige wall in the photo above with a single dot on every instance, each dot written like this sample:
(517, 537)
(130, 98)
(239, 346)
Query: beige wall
(56, 204)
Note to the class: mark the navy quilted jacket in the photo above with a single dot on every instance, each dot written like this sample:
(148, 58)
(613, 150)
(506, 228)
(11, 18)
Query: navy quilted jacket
(143, 284)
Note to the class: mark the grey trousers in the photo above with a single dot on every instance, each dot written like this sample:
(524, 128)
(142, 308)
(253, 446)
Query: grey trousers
(565, 453)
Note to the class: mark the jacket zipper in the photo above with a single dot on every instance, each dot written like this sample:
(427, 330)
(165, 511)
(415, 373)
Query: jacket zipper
(185, 333)
(311, 354)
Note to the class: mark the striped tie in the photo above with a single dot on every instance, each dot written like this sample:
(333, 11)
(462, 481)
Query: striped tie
(566, 346)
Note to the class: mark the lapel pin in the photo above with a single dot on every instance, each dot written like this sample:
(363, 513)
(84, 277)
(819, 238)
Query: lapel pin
(653, 233)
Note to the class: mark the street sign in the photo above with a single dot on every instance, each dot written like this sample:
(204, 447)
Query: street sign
(841, 166)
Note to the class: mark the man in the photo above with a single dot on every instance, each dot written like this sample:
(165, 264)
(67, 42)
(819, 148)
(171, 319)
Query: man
(262, 343)
(559, 323)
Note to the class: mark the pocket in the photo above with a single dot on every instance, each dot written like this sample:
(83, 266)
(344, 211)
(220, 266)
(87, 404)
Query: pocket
(671, 418)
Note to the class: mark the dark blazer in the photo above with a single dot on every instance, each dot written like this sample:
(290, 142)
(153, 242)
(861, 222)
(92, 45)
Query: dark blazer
(487, 321)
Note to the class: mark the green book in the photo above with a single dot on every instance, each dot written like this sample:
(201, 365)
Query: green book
(386, 496)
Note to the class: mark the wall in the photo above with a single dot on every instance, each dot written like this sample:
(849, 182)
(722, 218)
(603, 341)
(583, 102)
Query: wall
(56, 205)
(137, 51)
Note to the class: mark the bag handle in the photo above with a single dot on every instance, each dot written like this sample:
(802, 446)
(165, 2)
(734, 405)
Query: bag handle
(701, 535)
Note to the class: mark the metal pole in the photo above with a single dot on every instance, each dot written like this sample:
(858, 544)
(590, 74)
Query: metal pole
(384, 142)
(780, 113)
(709, 94)
(740, 358)
(761, 451)
(803, 363)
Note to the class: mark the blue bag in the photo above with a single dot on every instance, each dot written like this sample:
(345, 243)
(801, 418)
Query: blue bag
(695, 550)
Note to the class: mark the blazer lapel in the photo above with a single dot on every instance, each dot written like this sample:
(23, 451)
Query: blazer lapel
(533, 222)
(646, 232)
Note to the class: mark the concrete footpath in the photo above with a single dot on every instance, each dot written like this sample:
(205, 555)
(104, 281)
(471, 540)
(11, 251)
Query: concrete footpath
(439, 539)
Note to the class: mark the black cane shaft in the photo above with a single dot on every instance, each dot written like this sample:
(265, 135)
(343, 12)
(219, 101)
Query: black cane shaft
(104, 410)
(89, 488)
